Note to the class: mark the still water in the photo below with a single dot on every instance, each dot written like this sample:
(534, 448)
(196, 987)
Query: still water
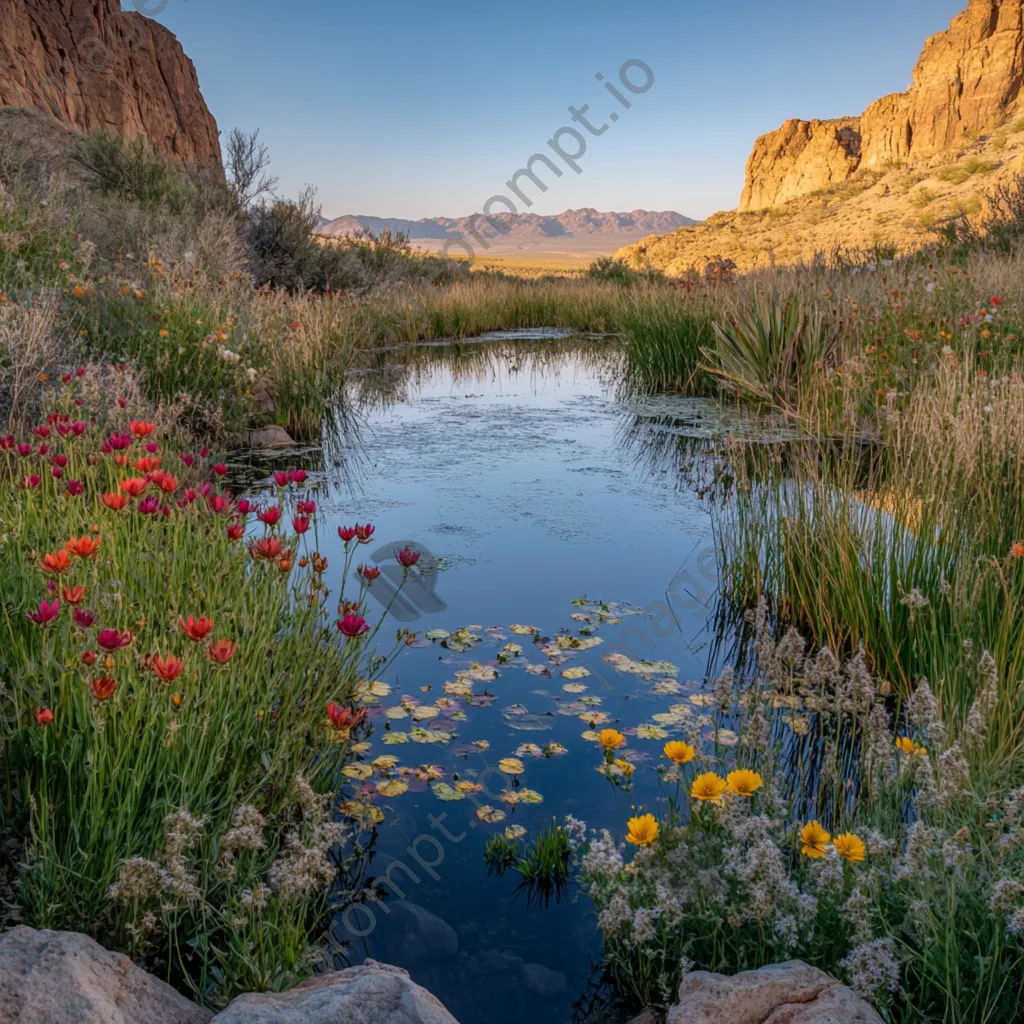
(529, 484)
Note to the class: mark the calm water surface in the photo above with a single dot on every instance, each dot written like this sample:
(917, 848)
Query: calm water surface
(530, 485)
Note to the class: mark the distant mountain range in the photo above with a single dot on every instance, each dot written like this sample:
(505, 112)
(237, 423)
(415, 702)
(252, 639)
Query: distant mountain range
(528, 228)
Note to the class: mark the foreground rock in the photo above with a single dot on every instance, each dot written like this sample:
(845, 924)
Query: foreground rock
(371, 993)
(789, 993)
(65, 978)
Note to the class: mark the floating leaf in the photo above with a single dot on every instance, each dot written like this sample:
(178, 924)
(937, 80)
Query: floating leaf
(437, 634)
(528, 750)
(524, 630)
(481, 744)
(429, 736)
(396, 737)
(514, 832)
(596, 717)
(591, 735)
(666, 686)
(511, 649)
(573, 687)
(538, 670)
(465, 786)
(702, 700)
(392, 787)
(360, 748)
(481, 673)
(445, 792)
(529, 723)
(530, 796)
(727, 738)
(379, 688)
(554, 750)
(667, 718)
(460, 688)
(428, 772)
(511, 765)
(578, 672)
(591, 702)
(580, 617)
(363, 812)
(396, 712)
(490, 814)
(357, 770)
(510, 797)
(650, 732)
(424, 711)
(385, 762)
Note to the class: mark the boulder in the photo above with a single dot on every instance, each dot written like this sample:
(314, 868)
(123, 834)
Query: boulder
(543, 980)
(425, 935)
(269, 437)
(66, 978)
(371, 993)
(789, 993)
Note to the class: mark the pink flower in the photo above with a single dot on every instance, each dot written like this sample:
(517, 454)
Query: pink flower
(364, 533)
(30, 483)
(205, 489)
(44, 717)
(149, 505)
(24, 449)
(297, 476)
(75, 488)
(300, 524)
(60, 460)
(407, 558)
(244, 506)
(306, 507)
(189, 460)
(219, 468)
(218, 503)
(83, 617)
(281, 478)
(353, 626)
(57, 472)
(41, 431)
(271, 516)
(48, 611)
(112, 639)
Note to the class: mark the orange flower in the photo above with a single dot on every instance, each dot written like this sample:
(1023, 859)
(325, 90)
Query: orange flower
(147, 464)
(104, 687)
(73, 595)
(115, 501)
(58, 562)
(134, 486)
(168, 669)
(177, 699)
(284, 564)
(167, 482)
(83, 547)
(1017, 551)
(222, 651)
(139, 428)
(196, 629)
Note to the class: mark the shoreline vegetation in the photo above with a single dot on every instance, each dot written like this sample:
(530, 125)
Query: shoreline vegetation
(179, 704)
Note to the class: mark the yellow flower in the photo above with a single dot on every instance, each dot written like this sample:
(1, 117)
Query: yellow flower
(680, 752)
(611, 739)
(744, 782)
(849, 846)
(643, 830)
(908, 746)
(624, 766)
(813, 840)
(709, 787)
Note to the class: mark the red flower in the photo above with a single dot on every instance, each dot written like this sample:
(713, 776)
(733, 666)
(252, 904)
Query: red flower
(267, 547)
(112, 639)
(60, 460)
(30, 483)
(364, 533)
(218, 503)
(6, 442)
(118, 442)
(115, 501)
(236, 531)
(271, 516)
(75, 488)
(196, 629)
(343, 718)
(146, 464)
(368, 572)
(57, 562)
(281, 478)
(407, 558)
(297, 476)
(152, 447)
(41, 431)
(222, 651)
(48, 611)
(149, 505)
(134, 486)
(189, 460)
(346, 533)
(300, 524)
(44, 717)
(83, 617)
(167, 482)
(995, 300)
(139, 428)
(104, 687)
(244, 506)
(220, 469)
(73, 595)
(89, 657)
(353, 626)
(168, 669)
(306, 508)
(83, 547)
(24, 449)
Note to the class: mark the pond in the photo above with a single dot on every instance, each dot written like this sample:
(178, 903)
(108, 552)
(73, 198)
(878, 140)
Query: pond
(566, 583)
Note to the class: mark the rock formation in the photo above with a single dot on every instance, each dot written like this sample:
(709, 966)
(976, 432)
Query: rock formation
(967, 79)
(96, 67)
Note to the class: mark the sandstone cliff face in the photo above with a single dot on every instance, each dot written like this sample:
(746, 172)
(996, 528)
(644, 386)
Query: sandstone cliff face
(97, 68)
(798, 158)
(967, 78)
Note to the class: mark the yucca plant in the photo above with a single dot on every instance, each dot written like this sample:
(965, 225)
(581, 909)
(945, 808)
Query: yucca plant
(762, 355)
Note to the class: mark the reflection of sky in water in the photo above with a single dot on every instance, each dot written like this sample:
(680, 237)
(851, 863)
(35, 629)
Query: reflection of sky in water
(517, 479)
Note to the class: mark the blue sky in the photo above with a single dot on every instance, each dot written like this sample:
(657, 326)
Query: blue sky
(413, 109)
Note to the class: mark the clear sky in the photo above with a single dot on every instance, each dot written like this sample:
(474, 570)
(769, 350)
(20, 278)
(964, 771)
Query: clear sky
(418, 109)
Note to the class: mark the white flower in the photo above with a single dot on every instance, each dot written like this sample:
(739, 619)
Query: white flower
(251, 373)
(930, 286)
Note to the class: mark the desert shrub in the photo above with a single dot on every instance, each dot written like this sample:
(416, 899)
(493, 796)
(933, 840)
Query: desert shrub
(618, 271)
(999, 230)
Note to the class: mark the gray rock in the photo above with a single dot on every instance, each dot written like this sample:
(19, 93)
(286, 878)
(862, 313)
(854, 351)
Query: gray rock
(269, 437)
(371, 993)
(65, 978)
(647, 1017)
(543, 980)
(789, 993)
(425, 935)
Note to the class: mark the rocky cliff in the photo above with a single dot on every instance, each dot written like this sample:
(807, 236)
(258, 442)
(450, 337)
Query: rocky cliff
(96, 67)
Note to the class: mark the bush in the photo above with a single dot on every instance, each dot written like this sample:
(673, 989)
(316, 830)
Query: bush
(618, 271)
(1000, 230)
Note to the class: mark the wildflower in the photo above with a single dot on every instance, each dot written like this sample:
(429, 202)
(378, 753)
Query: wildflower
(300, 524)
(220, 468)
(284, 564)
(75, 488)
(196, 629)
(271, 516)
(83, 547)
(297, 476)
(849, 846)
(218, 503)
(48, 611)
(139, 428)
(709, 788)
(236, 531)
(814, 840)
(306, 507)
(907, 746)
(268, 548)
(73, 595)
(873, 970)
(222, 651)
(1017, 550)
(680, 752)
(134, 486)
(30, 482)
(112, 639)
(44, 717)
(168, 669)
(189, 460)
(407, 558)
(57, 562)
(625, 767)
(149, 505)
(104, 687)
(368, 572)
(611, 739)
(343, 718)
(642, 830)
(319, 564)
(115, 501)
(743, 782)
(353, 626)
(281, 478)
(167, 482)
(346, 533)
(364, 533)
(83, 617)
